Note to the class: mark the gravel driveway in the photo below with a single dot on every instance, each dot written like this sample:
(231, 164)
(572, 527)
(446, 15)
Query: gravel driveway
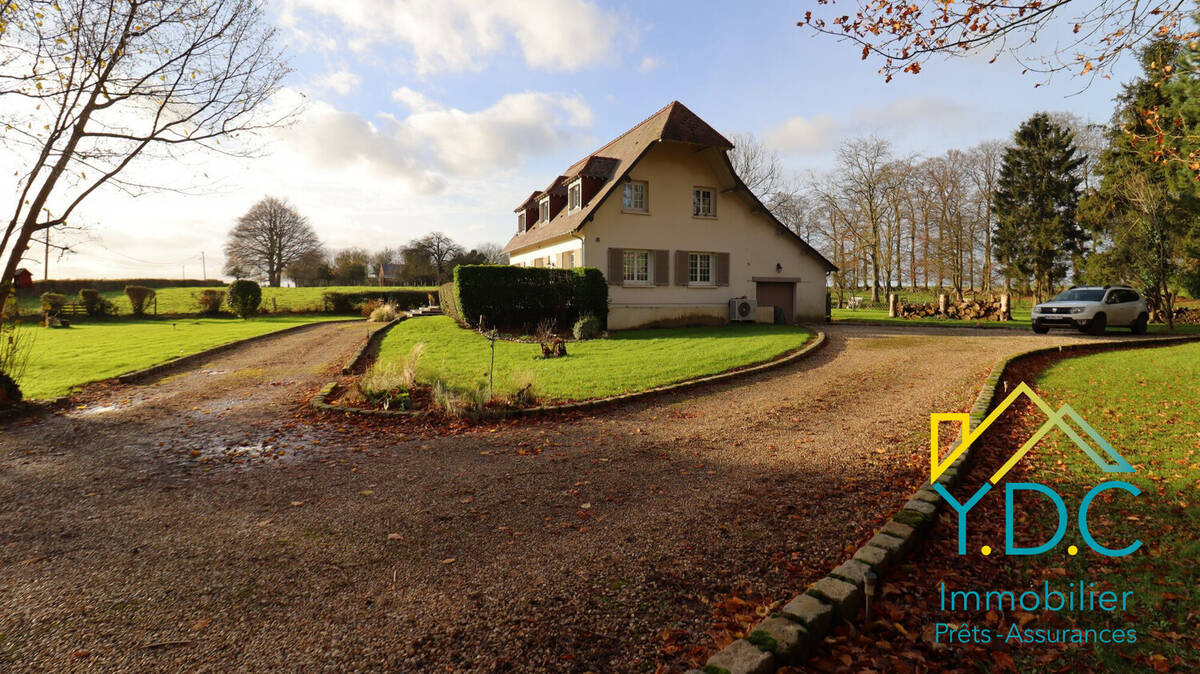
(208, 521)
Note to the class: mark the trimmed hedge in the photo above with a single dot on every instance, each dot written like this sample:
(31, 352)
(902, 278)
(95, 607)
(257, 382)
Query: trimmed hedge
(244, 297)
(448, 300)
(351, 303)
(73, 286)
(519, 297)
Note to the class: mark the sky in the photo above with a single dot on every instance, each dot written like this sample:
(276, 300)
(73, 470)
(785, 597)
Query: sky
(443, 115)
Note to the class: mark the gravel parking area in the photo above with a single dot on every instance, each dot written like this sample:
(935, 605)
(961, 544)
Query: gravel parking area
(209, 521)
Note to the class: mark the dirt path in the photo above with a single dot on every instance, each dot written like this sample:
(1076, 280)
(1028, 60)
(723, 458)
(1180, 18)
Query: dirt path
(207, 522)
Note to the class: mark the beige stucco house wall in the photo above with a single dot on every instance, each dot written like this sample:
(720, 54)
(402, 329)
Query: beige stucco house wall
(752, 255)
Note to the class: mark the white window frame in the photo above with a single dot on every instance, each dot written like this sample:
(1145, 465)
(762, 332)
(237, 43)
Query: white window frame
(633, 256)
(697, 202)
(575, 195)
(627, 205)
(544, 209)
(702, 262)
(521, 222)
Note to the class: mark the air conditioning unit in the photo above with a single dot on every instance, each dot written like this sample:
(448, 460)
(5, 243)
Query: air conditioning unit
(742, 309)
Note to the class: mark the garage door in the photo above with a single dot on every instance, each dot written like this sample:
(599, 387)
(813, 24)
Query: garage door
(782, 295)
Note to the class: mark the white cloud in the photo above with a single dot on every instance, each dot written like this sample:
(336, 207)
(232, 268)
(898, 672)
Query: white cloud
(434, 141)
(908, 113)
(649, 63)
(459, 35)
(804, 135)
(341, 82)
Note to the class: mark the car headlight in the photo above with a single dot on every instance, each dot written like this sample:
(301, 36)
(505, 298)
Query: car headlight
(1037, 309)
(1078, 310)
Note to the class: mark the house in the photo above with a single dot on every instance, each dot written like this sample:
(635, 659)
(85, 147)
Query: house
(660, 211)
(388, 273)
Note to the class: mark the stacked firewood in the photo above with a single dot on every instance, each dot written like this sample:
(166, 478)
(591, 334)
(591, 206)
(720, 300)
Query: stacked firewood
(1187, 315)
(968, 309)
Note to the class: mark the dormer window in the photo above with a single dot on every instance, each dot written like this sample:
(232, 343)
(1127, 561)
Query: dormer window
(575, 196)
(521, 222)
(544, 210)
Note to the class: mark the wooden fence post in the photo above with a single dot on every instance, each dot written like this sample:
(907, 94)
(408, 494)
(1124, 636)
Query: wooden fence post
(892, 302)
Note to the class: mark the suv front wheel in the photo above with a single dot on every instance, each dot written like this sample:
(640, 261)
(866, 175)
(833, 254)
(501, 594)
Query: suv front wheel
(1098, 325)
(1040, 327)
(1139, 326)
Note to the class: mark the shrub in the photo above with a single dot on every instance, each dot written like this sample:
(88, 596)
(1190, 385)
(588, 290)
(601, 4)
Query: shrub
(139, 299)
(386, 386)
(52, 303)
(524, 395)
(587, 327)
(350, 303)
(370, 306)
(210, 301)
(244, 297)
(518, 296)
(10, 392)
(385, 313)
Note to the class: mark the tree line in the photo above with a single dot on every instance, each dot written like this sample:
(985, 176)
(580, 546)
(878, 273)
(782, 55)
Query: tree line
(273, 241)
(1060, 201)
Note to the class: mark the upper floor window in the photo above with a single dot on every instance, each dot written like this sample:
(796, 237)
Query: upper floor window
(574, 196)
(633, 196)
(521, 222)
(700, 268)
(704, 202)
(637, 266)
(544, 210)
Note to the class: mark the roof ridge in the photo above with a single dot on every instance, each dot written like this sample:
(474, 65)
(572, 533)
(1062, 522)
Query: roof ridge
(628, 131)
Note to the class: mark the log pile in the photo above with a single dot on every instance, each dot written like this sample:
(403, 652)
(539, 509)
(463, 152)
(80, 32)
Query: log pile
(969, 309)
(1187, 315)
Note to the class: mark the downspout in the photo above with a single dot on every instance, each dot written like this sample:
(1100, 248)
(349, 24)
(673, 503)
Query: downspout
(581, 242)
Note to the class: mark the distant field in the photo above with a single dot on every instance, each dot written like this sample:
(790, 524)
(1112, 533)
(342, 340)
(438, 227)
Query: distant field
(88, 351)
(183, 300)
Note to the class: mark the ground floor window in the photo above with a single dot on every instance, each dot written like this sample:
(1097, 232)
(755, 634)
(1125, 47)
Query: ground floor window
(637, 266)
(700, 266)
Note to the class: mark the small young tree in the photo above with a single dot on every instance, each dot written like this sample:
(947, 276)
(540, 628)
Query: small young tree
(268, 238)
(1034, 203)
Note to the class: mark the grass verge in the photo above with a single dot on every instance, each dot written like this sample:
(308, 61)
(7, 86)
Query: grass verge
(628, 361)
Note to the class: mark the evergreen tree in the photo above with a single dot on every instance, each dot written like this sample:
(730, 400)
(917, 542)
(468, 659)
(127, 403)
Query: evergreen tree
(1036, 232)
(1145, 207)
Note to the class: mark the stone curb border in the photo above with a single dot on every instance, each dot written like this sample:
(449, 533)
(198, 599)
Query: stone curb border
(373, 340)
(789, 636)
(818, 341)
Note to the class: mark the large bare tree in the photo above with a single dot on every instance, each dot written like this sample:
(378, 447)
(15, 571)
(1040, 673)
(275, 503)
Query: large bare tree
(439, 249)
(267, 239)
(89, 86)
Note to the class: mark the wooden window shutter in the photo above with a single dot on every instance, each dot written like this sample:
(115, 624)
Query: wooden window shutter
(537, 262)
(616, 266)
(681, 267)
(562, 260)
(662, 276)
(722, 269)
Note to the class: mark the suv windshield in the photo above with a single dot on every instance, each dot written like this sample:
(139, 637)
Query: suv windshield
(1080, 295)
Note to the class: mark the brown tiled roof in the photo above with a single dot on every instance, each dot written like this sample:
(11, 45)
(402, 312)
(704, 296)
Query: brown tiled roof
(532, 197)
(672, 123)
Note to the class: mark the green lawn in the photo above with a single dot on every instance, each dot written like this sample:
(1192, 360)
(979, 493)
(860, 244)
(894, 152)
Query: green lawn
(1144, 402)
(63, 358)
(628, 361)
(183, 300)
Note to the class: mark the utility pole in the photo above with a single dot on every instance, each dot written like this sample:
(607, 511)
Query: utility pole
(203, 267)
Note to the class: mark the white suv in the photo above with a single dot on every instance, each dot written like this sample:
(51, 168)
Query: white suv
(1093, 309)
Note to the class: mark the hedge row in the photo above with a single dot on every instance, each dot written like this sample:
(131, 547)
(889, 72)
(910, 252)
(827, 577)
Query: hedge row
(73, 286)
(521, 297)
(351, 303)
(448, 300)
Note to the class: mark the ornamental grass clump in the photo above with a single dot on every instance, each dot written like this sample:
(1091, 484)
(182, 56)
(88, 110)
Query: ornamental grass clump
(384, 313)
(384, 386)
